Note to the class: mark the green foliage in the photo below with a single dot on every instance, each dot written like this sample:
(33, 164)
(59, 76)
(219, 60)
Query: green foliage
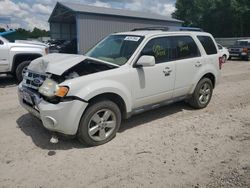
(24, 34)
(222, 18)
(2, 29)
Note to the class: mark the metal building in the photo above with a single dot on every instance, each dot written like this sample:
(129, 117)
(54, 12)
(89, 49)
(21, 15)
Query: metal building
(89, 24)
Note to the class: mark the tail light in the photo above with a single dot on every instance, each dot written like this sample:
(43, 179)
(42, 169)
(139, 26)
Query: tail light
(245, 50)
(220, 62)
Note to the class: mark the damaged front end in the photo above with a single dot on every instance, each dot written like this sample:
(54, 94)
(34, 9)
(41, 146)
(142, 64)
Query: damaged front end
(45, 74)
(43, 94)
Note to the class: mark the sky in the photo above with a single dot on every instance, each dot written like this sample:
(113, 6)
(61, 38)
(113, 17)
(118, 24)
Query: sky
(35, 13)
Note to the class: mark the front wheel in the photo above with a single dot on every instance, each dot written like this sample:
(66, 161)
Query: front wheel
(99, 123)
(202, 94)
(21, 70)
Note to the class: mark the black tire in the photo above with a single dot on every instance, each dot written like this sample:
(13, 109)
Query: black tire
(229, 58)
(83, 130)
(194, 100)
(19, 70)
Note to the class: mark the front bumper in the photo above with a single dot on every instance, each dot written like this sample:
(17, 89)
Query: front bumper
(63, 117)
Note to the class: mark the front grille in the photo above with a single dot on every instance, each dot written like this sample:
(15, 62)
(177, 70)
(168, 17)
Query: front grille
(33, 80)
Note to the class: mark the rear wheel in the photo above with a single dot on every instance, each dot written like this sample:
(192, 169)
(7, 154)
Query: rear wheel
(202, 94)
(21, 70)
(99, 123)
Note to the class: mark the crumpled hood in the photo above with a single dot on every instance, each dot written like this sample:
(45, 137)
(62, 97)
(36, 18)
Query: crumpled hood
(55, 63)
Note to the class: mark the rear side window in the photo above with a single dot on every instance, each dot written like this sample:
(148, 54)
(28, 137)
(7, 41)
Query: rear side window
(208, 44)
(159, 48)
(184, 47)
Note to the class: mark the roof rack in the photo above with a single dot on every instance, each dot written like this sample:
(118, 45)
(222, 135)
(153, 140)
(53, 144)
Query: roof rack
(151, 29)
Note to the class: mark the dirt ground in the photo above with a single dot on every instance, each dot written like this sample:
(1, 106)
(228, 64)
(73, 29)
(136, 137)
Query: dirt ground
(174, 146)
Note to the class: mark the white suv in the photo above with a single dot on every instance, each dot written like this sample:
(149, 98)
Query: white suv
(124, 74)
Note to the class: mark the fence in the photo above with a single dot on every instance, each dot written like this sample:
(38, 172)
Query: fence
(229, 41)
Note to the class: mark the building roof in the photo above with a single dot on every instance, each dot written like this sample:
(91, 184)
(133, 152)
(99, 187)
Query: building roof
(82, 8)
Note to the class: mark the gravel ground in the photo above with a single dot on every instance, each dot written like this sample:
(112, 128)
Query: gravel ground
(174, 146)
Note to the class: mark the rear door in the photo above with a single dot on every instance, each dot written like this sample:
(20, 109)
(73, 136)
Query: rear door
(188, 61)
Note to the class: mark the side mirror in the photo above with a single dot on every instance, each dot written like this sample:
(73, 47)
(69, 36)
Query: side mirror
(1, 42)
(146, 61)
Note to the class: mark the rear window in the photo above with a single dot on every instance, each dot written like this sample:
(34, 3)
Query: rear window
(208, 44)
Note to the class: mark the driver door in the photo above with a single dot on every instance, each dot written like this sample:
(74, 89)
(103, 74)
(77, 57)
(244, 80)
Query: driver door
(154, 84)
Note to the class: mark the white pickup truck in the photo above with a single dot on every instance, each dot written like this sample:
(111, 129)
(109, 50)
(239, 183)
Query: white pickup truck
(125, 74)
(15, 57)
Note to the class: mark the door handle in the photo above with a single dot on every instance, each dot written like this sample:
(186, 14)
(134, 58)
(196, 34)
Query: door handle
(3, 59)
(167, 71)
(198, 64)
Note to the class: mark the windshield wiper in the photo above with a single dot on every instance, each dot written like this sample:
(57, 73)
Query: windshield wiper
(103, 61)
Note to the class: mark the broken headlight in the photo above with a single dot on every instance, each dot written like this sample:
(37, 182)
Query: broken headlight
(50, 89)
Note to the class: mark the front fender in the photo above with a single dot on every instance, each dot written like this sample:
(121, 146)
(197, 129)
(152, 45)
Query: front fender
(105, 86)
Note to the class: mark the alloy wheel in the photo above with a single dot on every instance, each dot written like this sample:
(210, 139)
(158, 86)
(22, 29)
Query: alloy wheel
(204, 93)
(102, 124)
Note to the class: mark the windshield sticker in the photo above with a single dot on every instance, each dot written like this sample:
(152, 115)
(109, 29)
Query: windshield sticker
(131, 38)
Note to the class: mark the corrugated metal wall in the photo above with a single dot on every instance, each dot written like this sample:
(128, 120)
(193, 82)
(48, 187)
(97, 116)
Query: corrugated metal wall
(66, 31)
(92, 28)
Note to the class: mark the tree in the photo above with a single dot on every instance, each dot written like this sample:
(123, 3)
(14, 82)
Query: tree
(222, 18)
(2, 29)
(39, 33)
(22, 34)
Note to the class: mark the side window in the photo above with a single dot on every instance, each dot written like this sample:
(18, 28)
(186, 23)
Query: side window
(208, 44)
(184, 47)
(159, 48)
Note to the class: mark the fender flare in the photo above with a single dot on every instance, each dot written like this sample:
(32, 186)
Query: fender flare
(14, 64)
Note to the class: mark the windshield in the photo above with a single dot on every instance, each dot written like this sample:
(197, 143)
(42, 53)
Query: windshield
(116, 49)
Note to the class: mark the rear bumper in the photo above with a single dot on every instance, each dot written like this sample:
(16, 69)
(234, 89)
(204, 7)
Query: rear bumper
(63, 117)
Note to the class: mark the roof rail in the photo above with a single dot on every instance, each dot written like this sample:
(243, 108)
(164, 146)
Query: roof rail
(151, 29)
(190, 29)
